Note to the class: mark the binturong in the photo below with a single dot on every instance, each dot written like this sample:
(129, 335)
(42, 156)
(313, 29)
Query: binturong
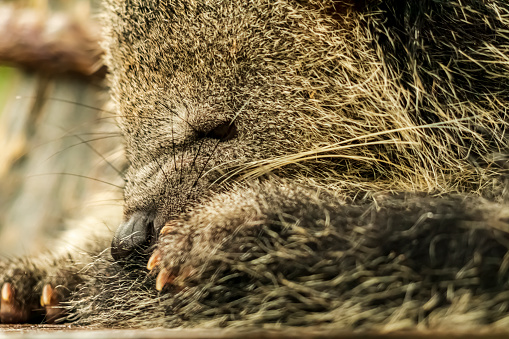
(340, 164)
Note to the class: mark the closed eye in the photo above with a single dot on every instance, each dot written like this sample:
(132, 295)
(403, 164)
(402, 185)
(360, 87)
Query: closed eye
(222, 132)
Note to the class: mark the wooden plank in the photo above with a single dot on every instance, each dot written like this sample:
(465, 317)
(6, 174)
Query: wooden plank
(68, 331)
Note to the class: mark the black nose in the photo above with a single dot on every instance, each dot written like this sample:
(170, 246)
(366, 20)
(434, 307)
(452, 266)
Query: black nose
(133, 236)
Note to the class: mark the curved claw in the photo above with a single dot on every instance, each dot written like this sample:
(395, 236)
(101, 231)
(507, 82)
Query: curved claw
(154, 260)
(164, 277)
(7, 293)
(11, 311)
(47, 295)
(51, 302)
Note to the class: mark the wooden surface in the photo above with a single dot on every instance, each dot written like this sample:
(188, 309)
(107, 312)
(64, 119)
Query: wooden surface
(68, 331)
(55, 139)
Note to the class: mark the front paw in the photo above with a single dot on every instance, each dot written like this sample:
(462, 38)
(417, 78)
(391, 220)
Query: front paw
(210, 240)
(171, 258)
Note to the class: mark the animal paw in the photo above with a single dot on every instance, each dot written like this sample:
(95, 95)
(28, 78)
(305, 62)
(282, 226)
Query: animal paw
(168, 260)
(35, 293)
(215, 240)
(11, 310)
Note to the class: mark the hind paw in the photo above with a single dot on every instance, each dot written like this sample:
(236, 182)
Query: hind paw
(32, 295)
(15, 310)
(18, 308)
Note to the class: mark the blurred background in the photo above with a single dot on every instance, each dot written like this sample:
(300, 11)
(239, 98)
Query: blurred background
(60, 152)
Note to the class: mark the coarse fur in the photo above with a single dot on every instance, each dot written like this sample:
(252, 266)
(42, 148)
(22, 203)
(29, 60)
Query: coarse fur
(332, 163)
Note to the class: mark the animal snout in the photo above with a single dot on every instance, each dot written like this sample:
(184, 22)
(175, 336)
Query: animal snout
(133, 236)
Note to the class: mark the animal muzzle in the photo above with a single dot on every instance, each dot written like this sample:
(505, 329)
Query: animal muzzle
(133, 237)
